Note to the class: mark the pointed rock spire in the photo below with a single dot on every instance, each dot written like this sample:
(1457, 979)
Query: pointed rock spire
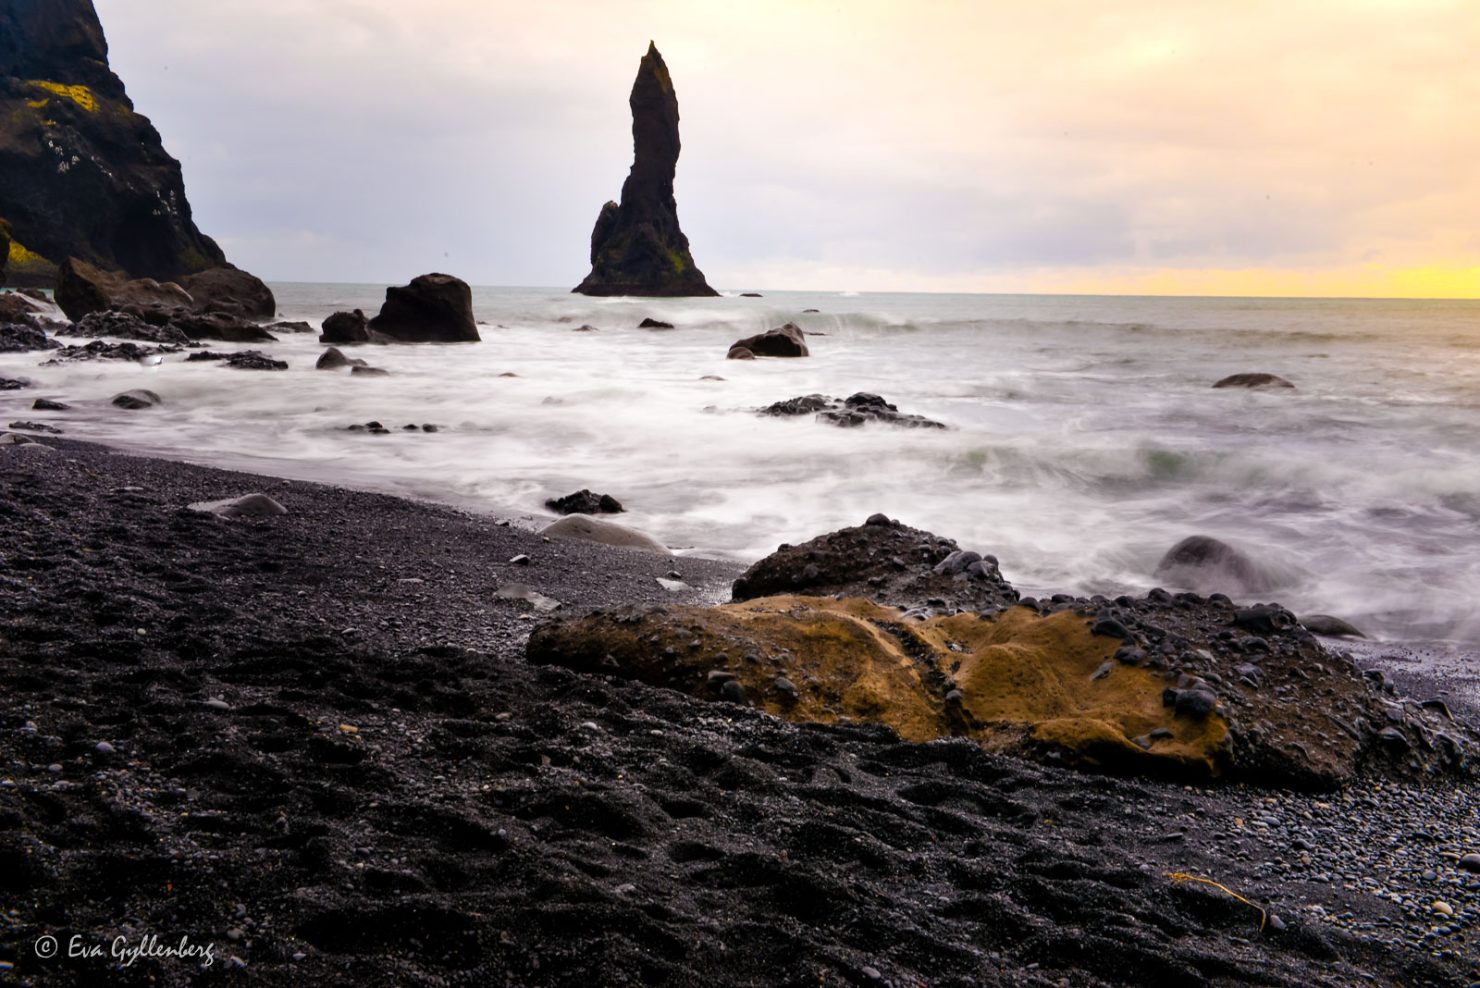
(637, 247)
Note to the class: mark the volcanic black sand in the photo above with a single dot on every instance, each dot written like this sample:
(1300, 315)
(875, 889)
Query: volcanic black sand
(310, 743)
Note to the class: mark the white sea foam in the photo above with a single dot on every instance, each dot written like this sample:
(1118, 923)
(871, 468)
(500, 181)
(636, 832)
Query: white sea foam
(1086, 438)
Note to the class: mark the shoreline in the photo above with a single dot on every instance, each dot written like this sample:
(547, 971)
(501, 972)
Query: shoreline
(326, 756)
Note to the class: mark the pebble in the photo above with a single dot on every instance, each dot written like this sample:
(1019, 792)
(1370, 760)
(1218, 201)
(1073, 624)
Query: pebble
(1442, 908)
(519, 560)
(104, 748)
(1470, 862)
(217, 704)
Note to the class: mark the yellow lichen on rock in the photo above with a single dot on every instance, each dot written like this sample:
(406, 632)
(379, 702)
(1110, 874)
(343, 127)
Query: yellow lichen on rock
(19, 254)
(1015, 681)
(78, 94)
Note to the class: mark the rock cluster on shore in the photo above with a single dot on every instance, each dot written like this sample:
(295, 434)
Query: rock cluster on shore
(433, 308)
(637, 247)
(888, 624)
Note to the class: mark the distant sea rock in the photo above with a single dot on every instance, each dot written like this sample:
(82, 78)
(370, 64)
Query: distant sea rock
(434, 308)
(637, 247)
(85, 175)
(1253, 381)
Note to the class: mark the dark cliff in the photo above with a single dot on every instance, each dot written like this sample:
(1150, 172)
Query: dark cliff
(81, 173)
(637, 247)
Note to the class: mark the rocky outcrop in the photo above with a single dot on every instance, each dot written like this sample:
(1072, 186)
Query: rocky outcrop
(83, 288)
(784, 341)
(888, 624)
(85, 175)
(230, 291)
(637, 247)
(855, 410)
(434, 308)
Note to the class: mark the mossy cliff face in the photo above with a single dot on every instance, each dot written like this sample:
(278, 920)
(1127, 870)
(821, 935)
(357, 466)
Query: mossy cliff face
(84, 175)
(637, 247)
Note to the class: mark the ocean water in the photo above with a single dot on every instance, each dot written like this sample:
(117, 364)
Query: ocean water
(1085, 436)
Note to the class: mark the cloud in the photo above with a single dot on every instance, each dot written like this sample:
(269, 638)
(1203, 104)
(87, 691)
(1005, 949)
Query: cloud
(950, 144)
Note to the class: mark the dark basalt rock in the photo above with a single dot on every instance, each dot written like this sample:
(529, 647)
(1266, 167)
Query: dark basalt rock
(85, 175)
(83, 288)
(434, 308)
(784, 341)
(290, 327)
(221, 326)
(1330, 627)
(1205, 564)
(1253, 381)
(49, 405)
(124, 326)
(637, 247)
(242, 360)
(855, 410)
(651, 323)
(13, 383)
(103, 350)
(20, 338)
(585, 502)
(346, 328)
(334, 358)
(232, 291)
(138, 398)
(36, 427)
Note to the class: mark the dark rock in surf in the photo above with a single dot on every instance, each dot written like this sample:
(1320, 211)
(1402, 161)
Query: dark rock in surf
(125, 326)
(434, 308)
(136, 399)
(739, 353)
(585, 502)
(1204, 563)
(784, 341)
(1253, 381)
(48, 405)
(637, 247)
(751, 295)
(334, 359)
(103, 350)
(18, 338)
(241, 360)
(1330, 627)
(651, 323)
(345, 328)
(853, 411)
(230, 291)
(290, 327)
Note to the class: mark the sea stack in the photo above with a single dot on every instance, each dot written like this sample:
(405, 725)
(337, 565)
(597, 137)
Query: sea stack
(84, 175)
(637, 247)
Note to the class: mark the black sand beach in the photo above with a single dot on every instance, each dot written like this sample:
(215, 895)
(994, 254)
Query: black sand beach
(311, 743)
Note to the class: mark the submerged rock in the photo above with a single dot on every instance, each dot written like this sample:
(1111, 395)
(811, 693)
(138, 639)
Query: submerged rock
(585, 502)
(136, 399)
(855, 410)
(434, 308)
(651, 323)
(637, 247)
(784, 341)
(242, 360)
(103, 350)
(1253, 381)
(334, 359)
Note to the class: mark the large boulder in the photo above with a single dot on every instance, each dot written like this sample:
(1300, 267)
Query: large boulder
(892, 625)
(637, 247)
(85, 175)
(784, 341)
(83, 288)
(434, 308)
(231, 291)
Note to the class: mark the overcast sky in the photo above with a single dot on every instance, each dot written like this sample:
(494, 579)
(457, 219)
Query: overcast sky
(1180, 146)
